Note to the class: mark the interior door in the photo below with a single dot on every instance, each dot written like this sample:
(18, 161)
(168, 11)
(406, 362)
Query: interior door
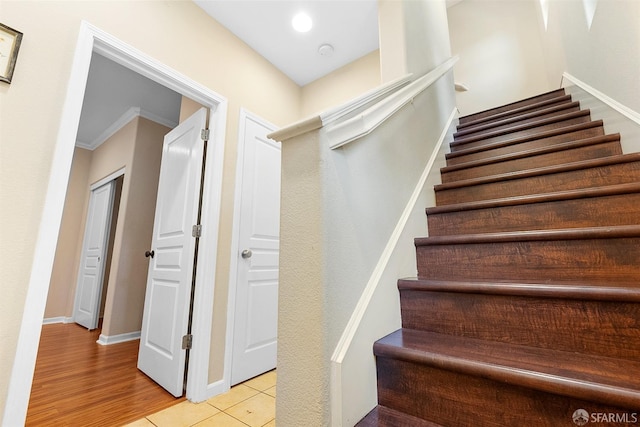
(92, 261)
(171, 256)
(256, 303)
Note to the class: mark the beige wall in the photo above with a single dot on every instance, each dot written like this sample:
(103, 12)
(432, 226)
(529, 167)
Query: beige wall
(342, 85)
(128, 276)
(204, 51)
(66, 262)
(188, 107)
(501, 55)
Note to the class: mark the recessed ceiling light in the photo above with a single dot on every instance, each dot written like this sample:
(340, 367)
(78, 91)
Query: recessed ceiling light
(302, 22)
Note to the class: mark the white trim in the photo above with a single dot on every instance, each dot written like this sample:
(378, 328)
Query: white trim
(235, 241)
(59, 319)
(197, 373)
(374, 280)
(316, 122)
(121, 122)
(116, 339)
(107, 179)
(93, 39)
(388, 99)
(296, 129)
(157, 119)
(374, 95)
(349, 130)
(621, 108)
(216, 388)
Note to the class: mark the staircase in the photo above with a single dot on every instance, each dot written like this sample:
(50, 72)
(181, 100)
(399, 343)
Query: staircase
(527, 303)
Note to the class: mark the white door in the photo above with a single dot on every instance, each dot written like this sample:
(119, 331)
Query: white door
(256, 303)
(92, 261)
(167, 299)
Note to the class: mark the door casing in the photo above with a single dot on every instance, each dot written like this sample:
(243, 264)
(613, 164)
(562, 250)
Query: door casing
(92, 39)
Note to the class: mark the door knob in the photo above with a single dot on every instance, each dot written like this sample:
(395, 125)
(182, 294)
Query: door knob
(149, 254)
(246, 253)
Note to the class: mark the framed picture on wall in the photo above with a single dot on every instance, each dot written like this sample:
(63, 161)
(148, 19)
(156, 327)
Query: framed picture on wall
(10, 40)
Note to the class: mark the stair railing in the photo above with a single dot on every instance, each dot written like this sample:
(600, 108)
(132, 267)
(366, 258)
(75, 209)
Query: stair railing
(355, 183)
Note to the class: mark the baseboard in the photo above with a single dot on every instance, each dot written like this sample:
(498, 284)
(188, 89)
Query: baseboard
(216, 388)
(116, 339)
(59, 319)
(617, 117)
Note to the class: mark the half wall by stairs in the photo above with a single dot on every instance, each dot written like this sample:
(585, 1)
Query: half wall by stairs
(526, 308)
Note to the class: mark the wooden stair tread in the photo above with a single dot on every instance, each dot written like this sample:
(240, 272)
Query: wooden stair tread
(558, 289)
(584, 164)
(527, 101)
(381, 416)
(557, 109)
(616, 232)
(541, 135)
(527, 295)
(608, 190)
(532, 152)
(509, 113)
(516, 128)
(593, 378)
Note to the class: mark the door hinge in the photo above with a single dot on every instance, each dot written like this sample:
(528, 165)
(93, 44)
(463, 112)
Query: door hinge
(187, 342)
(204, 134)
(196, 230)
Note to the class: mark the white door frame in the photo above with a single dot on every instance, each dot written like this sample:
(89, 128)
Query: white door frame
(235, 240)
(92, 39)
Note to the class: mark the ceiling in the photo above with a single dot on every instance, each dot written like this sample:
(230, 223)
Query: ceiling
(349, 26)
(115, 94)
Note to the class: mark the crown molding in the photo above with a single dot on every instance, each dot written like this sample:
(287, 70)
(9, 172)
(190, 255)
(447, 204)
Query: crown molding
(121, 122)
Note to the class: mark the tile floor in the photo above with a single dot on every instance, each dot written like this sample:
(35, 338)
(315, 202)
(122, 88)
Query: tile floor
(252, 403)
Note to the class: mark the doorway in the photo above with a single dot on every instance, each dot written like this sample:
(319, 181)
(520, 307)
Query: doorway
(97, 252)
(93, 39)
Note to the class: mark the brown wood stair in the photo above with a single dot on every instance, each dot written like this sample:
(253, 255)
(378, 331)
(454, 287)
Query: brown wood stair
(527, 302)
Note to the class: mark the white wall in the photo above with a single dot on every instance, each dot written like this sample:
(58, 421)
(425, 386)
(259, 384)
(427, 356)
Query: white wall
(604, 55)
(419, 127)
(414, 38)
(339, 210)
(501, 53)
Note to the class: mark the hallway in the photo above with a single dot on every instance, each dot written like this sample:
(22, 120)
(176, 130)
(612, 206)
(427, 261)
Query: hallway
(79, 382)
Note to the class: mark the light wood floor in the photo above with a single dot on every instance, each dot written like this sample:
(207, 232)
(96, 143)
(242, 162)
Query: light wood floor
(78, 382)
